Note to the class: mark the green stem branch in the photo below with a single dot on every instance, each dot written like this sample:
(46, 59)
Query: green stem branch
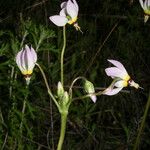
(46, 83)
(78, 78)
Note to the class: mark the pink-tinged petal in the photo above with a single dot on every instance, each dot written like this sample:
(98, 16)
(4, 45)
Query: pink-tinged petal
(28, 58)
(71, 9)
(18, 60)
(110, 91)
(115, 72)
(34, 55)
(121, 84)
(63, 12)
(93, 98)
(76, 5)
(63, 4)
(148, 3)
(59, 20)
(23, 60)
(141, 2)
(117, 64)
(145, 4)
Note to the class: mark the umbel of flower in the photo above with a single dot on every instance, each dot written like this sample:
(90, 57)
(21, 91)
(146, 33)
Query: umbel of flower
(121, 78)
(68, 14)
(26, 60)
(146, 7)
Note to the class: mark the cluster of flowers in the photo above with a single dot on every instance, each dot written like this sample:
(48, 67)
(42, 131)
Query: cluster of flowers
(27, 57)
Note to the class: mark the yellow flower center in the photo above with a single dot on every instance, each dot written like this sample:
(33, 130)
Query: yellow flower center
(73, 20)
(147, 12)
(126, 78)
(27, 72)
(125, 83)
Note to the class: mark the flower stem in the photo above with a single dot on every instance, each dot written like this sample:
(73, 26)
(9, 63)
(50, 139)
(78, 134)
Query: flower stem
(62, 56)
(48, 88)
(23, 109)
(63, 129)
(142, 124)
(78, 78)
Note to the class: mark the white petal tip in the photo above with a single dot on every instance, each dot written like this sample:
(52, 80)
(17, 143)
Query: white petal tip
(93, 98)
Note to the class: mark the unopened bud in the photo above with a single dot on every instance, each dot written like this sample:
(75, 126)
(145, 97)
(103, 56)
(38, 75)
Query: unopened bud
(65, 98)
(89, 88)
(60, 90)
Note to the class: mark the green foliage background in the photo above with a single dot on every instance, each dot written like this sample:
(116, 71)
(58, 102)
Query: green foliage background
(111, 30)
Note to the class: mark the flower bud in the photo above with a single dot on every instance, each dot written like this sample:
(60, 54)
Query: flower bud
(89, 88)
(65, 98)
(60, 90)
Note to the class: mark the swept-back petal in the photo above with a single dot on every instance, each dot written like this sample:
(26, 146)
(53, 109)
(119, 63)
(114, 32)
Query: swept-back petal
(23, 60)
(93, 98)
(76, 5)
(28, 58)
(18, 60)
(110, 91)
(117, 64)
(34, 54)
(115, 72)
(63, 12)
(59, 20)
(63, 4)
(145, 4)
(148, 3)
(142, 4)
(71, 9)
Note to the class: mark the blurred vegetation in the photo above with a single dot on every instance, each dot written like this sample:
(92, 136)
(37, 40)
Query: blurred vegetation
(111, 29)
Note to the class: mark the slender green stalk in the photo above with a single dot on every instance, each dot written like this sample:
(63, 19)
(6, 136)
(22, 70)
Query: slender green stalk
(78, 78)
(63, 129)
(62, 57)
(23, 111)
(22, 118)
(48, 88)
(142, 124)
(23, 108)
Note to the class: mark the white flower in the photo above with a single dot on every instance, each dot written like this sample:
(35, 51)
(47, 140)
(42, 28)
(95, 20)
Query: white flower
(26, 60)
(68, 14)
(146, 7)
(121, 78)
